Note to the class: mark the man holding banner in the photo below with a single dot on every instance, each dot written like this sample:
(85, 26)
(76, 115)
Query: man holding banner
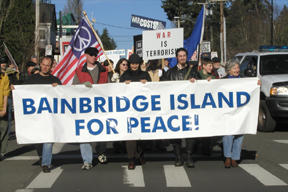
(44, 77)
(182, 71)
(91, 73)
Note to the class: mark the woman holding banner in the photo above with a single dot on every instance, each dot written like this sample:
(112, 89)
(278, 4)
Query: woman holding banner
(232, 144)
(121, 67)
(134, 74)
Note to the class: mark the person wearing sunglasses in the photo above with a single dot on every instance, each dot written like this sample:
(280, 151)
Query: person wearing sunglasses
(121, 67)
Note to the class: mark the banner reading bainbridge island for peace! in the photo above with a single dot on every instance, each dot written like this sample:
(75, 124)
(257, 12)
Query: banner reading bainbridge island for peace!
(117, 111)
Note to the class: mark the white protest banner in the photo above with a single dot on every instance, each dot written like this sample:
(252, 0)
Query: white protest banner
(161, 43)
(117, 111)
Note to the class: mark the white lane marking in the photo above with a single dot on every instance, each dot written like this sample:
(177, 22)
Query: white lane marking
(23, 158)
(24, 190)
(134, 178)
(262, 175)
(176, 176)
(57, 147)
(19, 158)
(45, 180)
(284, 166)
(281, 141)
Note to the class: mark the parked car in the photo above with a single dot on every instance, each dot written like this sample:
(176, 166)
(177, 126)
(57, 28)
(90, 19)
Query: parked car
(270, 65)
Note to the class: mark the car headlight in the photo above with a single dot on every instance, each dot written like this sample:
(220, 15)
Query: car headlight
(282, 90)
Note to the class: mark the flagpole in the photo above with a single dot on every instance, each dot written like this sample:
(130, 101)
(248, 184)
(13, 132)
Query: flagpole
(6, 50)
(98, 39)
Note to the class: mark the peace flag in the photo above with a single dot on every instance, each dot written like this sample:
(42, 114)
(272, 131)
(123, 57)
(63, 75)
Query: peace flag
(74, 55)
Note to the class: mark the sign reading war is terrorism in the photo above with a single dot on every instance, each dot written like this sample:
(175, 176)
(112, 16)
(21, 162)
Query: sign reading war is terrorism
(159, 44)
(116, 111)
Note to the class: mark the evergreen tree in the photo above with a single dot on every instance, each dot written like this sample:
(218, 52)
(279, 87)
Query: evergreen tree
(184, 9)
(18, 30)
(108, 42)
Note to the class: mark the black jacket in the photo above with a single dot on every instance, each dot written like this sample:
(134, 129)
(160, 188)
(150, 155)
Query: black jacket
(175, 74)
(135, 76)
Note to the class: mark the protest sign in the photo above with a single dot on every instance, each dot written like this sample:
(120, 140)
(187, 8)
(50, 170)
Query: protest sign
(147, 23)
(161, 43)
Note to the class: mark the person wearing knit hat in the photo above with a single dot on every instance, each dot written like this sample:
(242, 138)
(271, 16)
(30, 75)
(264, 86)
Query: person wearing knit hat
(134, 74)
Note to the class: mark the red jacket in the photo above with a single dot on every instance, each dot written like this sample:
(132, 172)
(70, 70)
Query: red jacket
(84, 75)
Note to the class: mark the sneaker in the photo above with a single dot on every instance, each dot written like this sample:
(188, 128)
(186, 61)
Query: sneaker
(87, 166)
(102, 158)
(46, 169)
(2, 156)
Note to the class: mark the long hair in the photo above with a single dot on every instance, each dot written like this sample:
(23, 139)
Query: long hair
(117, 68)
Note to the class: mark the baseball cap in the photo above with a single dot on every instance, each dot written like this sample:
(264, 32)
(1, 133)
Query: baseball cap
(92, 51)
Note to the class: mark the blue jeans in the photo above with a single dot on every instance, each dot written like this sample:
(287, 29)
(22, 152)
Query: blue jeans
(86, 152)
(232, 145)
(47, 154)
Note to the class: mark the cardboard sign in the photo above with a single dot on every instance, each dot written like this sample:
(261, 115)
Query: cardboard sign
(162, 43)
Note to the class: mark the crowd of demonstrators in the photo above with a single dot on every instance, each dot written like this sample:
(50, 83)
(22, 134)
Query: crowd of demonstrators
(134, 74)
(4, 93)
(92, 72)
(45, 77)
(132, 70)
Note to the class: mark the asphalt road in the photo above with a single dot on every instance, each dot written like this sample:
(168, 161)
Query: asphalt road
(264, 168)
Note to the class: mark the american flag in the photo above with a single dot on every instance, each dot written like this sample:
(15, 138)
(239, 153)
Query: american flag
(74, 54)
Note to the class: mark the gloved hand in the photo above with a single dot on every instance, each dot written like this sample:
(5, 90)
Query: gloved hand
(87, 84)
(115, 77)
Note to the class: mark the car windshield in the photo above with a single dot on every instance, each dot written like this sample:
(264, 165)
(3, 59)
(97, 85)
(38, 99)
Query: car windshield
(274, 64)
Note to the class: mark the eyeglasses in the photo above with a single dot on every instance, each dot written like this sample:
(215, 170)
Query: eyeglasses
(92, 54)
(124, 64)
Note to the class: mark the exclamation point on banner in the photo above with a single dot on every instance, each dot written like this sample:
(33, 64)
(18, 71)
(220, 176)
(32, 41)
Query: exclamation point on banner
(196, 122)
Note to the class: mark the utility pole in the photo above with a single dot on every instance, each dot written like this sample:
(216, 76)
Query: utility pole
(60, 26)
(272, 21)
(178, 21)
(222, 35)
(37, 17)
(222, 31)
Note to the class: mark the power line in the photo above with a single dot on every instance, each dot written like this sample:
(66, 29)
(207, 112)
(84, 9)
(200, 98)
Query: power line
(115, 26)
